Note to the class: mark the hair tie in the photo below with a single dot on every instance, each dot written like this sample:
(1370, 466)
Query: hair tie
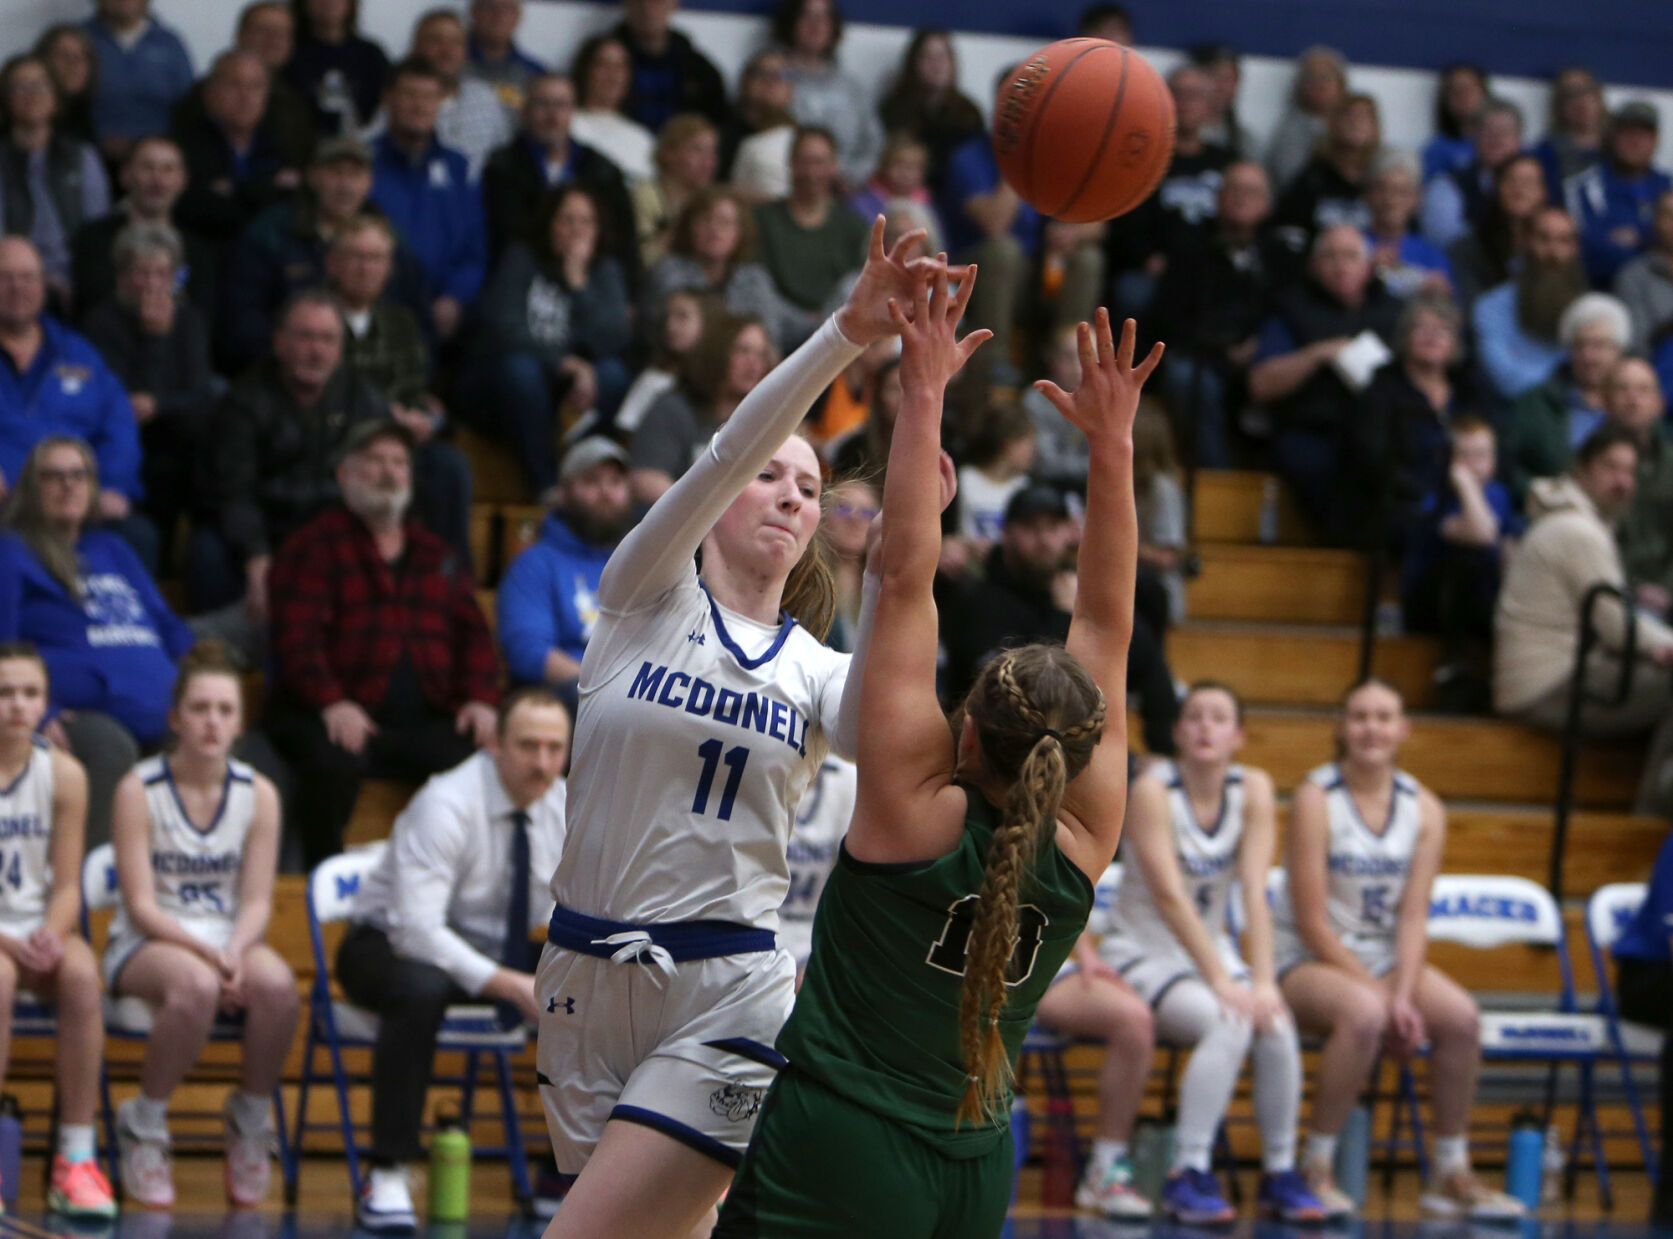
(1049, 731)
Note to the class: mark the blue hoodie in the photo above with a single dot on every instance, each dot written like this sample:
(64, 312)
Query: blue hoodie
(1608, 208)
(68, 390)
(112, 651)
(549, 598)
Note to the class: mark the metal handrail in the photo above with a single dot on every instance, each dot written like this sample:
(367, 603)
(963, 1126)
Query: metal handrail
(1577, 699)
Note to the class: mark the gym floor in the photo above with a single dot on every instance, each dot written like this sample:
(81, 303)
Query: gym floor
(323, 1213)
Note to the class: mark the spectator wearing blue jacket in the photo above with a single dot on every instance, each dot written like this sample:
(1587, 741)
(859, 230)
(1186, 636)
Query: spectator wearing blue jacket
(548, 599)
(144, 70)
(53, 381)
(80, 594)
(1614, 201)
(425, 191)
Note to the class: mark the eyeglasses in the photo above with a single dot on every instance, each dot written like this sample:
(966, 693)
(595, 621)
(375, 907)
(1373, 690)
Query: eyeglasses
(865, 511)
(63, 477)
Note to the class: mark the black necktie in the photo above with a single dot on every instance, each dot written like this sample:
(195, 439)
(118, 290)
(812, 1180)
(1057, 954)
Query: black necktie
(518, 953)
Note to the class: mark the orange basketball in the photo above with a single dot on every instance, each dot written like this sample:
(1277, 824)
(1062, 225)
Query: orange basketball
(1083, 130)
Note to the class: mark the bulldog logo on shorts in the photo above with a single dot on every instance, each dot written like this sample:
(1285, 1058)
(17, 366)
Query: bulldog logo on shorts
(736, 1102)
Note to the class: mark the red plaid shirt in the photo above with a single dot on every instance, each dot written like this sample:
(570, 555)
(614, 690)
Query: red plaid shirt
(342, 616)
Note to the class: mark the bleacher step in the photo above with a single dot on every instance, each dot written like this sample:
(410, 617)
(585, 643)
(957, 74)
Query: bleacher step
(1226, 507)
(1286, 584)
(1298, 664)
(1458, 758)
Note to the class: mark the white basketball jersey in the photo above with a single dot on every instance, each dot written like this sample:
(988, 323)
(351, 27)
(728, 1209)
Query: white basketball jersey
(1207, 858)
(26, 842)
(821, 823)
(1367, 869)
(195, 873)
(698, 732)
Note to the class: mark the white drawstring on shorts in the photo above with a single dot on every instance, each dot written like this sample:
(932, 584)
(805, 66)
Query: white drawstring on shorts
(637, 945)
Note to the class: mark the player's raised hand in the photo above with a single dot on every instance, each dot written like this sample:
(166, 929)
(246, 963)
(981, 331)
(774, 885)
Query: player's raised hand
(894, 275)
(931, 352)
(1107, 399)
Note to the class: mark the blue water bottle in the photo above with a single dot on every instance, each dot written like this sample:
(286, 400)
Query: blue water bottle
(11, 1150)
(1353, 1154)
(1526, 1163)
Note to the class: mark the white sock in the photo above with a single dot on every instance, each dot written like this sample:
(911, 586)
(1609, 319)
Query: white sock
(150, 1116)
(250, 1112)
(1105, 1153)
(1321, 1149)
(1452, 1155)
(75, 1141)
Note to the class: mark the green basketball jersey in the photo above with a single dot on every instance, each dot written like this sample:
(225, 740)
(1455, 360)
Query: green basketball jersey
(877, 1018)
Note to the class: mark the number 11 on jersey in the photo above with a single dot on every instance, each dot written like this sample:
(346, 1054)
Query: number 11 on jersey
(736, 758)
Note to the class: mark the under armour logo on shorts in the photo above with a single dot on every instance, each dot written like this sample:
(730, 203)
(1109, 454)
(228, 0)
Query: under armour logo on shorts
(568, 1006)
(736, 1101)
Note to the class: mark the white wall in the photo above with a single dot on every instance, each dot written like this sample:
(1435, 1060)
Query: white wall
(552, 31)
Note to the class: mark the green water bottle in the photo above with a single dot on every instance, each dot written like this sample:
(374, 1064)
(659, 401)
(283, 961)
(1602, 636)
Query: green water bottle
(450, 1171)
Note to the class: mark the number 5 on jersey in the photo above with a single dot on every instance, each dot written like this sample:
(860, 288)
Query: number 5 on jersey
(736, 758)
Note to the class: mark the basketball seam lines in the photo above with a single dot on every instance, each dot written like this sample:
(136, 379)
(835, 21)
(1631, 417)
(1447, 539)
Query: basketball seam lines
(1109, 128)
(1045, 103)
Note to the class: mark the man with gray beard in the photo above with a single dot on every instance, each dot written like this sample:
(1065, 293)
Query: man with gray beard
(548, 600)
(1516, 323)
(383, 663)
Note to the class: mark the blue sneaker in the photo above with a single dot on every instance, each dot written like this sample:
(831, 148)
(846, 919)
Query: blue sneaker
(1285, 1197)
(1193, 1198)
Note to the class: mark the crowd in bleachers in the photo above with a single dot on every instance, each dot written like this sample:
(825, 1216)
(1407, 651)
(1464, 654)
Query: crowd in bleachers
(241, 314)
(212, 281)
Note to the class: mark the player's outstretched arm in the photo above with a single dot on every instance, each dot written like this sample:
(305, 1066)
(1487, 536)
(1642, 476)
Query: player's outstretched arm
(655, 556)
(1103, 407)
(906, 755)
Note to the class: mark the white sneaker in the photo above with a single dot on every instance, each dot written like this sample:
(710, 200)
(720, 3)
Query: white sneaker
(143, 1158)
(1338, 1205)
(386, 1200)
(1112, 1193)
(249, 1161)
(1462, 1195)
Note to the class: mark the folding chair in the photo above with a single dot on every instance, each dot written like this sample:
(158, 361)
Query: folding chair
(335, 1024)
(1487, 911)
(1608, 912)
(130, 1018)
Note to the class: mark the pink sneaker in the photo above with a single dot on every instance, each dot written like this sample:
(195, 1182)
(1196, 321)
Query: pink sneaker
(249, 1163)
(143, 1158)
(80, 1189)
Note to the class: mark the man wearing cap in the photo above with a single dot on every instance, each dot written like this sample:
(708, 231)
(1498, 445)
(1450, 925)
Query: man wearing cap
(283, 252)
(548, 599)
(1613, 201)
(1027, 593)
(275, 441)
(383, 662)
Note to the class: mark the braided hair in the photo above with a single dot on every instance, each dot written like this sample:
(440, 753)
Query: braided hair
(1038, 716)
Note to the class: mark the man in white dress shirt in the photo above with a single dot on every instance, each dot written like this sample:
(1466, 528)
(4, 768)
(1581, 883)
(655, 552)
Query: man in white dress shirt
(446, 917)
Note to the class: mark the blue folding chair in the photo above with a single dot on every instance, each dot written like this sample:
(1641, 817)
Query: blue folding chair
(335, 1025)
(1608, 912)
(1487, 911)
(130, 1018)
